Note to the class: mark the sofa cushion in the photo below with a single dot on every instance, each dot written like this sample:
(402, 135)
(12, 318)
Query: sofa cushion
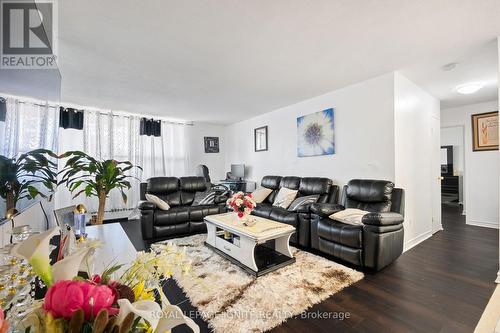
(370, 195)
(273, 183)
(282, 215)
(352, 216)
(341, 233)
(162, 205)
(162, 185)
(315, 185)
(197, 213)
(260, 194)
(174, 215)
(284, 197)
(276, 213)
(290, 182)
(301, 203)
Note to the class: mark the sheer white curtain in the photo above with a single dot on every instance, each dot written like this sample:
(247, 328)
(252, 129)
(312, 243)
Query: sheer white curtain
(28, 125)
(111, 135)
(114, 136)
(165, 155)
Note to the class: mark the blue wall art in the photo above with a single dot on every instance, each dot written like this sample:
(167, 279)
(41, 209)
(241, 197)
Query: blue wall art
(315, 134)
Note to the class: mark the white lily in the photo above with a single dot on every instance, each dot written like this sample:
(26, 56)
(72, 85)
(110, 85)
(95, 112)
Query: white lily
(172, 317)
(67, 268)
(36, 250)
(148, 310)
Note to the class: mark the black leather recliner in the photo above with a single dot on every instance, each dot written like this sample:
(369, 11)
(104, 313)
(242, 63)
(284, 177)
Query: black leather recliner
(182, 218)
(300, 219)
(374, 244)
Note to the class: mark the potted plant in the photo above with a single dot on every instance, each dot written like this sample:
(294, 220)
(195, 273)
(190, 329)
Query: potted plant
(84, 174)
(19, 177)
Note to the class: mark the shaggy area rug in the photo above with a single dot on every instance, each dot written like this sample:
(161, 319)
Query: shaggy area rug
(230, 300)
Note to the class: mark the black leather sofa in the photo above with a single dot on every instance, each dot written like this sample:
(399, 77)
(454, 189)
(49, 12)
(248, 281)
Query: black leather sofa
(374, 244)
(301, 219)
(182, 218)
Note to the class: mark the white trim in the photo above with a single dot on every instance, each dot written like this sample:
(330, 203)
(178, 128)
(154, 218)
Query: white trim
(485, 224)
(417, 240)
(498, 277)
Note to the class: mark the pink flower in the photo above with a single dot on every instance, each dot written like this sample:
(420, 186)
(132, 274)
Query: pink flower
(4, 324)
(65, 297)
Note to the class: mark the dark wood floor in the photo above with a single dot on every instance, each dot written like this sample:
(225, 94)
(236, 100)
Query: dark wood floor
(441, 285)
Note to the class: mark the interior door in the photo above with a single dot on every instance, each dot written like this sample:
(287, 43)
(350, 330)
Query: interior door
(436, 173)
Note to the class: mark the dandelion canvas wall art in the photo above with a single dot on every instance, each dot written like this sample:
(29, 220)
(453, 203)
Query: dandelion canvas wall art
(315, 134)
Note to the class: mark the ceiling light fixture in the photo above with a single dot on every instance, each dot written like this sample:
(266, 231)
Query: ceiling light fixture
(449, 67)
(468, 88)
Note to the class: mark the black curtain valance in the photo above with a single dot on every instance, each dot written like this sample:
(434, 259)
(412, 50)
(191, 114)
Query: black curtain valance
(3, 109)
(150, 127)
(70, 118)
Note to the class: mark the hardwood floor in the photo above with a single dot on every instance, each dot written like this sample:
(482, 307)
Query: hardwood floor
(441, 285)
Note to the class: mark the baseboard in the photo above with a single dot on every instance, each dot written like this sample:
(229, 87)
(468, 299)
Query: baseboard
(485, 224)
(498, 277)
(417, 240)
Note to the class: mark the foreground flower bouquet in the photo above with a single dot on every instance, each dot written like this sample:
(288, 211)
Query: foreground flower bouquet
(242, 204)
(124, 298)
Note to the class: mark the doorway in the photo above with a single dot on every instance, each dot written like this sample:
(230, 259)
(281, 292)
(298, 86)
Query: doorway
(453, 169)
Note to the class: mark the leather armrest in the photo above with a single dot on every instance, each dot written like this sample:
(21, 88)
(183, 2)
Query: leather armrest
(220, 199)
(146, 205)
(325, 210)
(302, 209)
(380, 219)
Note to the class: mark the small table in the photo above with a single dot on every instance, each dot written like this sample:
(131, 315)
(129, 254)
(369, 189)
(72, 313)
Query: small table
(258, 249)
(116, 247)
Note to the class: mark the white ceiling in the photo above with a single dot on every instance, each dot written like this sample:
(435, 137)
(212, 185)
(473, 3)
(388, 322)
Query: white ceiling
(227, 60)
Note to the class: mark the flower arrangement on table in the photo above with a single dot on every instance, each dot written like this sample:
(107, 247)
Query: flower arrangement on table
(122, 299)
(242, 204)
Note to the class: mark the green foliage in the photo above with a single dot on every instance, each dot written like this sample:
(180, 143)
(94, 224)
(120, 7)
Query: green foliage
(83, 174)
(21, 177)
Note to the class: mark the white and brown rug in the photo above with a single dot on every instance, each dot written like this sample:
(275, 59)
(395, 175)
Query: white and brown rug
(230, 300)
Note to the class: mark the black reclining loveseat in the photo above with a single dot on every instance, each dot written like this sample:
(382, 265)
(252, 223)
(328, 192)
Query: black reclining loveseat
(300, 219)
(375, 243)
(182, 218)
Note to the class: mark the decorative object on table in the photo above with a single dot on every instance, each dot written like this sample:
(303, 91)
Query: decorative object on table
(211, 144)
(228, 292)
(80, 223)
(242, 204)
(65, 216)
(93, 219)
(485, 131)
(132, 302)
(315, 134)
(24, 176)
(84, 174)
(260, 138)
(20, 233)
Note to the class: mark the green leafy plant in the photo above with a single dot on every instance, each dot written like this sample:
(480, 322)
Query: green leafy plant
(25, 176)
(83, 174)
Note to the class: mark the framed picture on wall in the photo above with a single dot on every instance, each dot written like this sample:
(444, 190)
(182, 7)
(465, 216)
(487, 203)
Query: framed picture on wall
(211, 144)
(260, 138)
(485, 131)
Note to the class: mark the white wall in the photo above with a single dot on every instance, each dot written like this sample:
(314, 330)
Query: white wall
(481, 168)
(364, 137)
(374, 138)
(196, 149)
(414, 113)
